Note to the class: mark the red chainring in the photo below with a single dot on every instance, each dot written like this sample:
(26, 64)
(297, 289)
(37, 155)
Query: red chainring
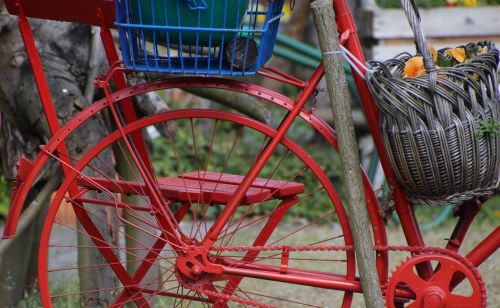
(437, 291)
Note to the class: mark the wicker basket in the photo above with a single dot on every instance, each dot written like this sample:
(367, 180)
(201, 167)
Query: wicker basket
(430, 124)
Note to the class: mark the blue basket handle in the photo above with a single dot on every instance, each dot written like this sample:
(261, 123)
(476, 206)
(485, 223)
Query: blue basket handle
(197, 4)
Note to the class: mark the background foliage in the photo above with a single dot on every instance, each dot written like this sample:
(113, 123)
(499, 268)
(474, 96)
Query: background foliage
(165, 160)
(4, 196)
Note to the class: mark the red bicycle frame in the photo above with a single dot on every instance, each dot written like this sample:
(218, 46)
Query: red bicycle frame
(101, 12)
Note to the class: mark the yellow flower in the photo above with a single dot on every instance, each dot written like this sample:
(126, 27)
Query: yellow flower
(497, 213)
(457, 53)
(482, 50)
(414, 67)
(470, 3)
(261, 18)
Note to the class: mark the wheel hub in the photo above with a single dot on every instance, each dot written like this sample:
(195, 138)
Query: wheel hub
(434, 297)
(194, 266)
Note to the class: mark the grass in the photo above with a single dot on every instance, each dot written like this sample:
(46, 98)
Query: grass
(435, 237)
(4, 196)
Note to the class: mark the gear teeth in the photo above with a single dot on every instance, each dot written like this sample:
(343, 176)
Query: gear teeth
(429, 252)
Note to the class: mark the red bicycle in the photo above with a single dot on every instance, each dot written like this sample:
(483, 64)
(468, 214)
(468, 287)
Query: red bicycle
(218, 227)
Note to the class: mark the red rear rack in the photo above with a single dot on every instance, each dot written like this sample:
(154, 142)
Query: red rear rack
(78, 11)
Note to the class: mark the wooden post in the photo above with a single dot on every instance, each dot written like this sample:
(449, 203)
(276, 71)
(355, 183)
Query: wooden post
(324, 19)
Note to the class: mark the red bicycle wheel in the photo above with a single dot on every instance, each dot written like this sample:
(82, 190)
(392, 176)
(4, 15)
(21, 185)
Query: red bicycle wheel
(117, 253)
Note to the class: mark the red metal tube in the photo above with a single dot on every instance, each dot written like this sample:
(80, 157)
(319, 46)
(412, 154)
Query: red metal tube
(36, 65)
(295, 277)
(120, 83)
(410, 228)
(316, 281)
(468, 212)
(480, 253)
(232, 205)
(48, 108)
(261, 240)
(345, 23)
(485, 249)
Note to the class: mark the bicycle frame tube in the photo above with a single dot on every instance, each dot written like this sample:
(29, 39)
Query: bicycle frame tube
(486, 248)
(482, 251)
(347, 28)
(47, 106)
(136, 145)
(166, 217)
(138, 151)
(120, 83)
(295, 277)
(254, 171)
(51, 116)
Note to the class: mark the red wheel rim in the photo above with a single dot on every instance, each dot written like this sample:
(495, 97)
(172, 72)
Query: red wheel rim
(171, 116)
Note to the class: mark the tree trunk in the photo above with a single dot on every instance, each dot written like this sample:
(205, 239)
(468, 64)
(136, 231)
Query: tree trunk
(136, 239)
(18, 261)
(324, 18)
(64, 50)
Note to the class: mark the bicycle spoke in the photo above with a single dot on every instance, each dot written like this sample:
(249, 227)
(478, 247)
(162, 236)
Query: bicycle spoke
(105, 249)
(208, 156)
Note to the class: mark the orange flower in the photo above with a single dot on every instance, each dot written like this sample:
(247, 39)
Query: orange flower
(457, 53)
(433, 53)
(414, 67)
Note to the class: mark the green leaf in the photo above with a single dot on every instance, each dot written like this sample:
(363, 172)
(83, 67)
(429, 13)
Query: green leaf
(444, 61)
(486, 128)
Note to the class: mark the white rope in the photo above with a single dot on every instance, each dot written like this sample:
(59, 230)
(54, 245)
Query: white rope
(354, 62)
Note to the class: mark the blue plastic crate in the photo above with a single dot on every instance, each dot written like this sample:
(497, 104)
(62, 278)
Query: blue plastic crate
(209, 37)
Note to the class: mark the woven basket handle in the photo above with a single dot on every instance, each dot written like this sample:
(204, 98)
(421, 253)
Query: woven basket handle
(411, 11)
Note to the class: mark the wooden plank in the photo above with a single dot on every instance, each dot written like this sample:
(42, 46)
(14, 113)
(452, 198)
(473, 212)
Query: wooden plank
(438, 22)
(178, 189)
(279, 188)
